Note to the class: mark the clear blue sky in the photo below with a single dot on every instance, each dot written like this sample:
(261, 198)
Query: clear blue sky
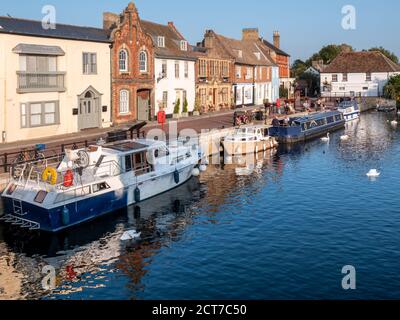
(305, 26)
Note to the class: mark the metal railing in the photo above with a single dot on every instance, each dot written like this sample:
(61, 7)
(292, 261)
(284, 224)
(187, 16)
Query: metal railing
(41, 82)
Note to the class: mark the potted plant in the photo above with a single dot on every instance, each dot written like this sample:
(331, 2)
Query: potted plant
(197, 108)
(177, 109)
(185, 112)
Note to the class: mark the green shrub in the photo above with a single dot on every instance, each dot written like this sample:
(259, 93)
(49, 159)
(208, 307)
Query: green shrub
(177, 109)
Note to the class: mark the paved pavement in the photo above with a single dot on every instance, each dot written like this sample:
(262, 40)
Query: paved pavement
(209, 121)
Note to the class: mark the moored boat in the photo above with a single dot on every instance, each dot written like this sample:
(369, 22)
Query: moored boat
(248, 140)
(350, 109)
(95, 181)
(309, 127)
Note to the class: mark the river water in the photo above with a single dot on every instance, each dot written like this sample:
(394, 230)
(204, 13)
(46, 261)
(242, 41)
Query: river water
(282, 229)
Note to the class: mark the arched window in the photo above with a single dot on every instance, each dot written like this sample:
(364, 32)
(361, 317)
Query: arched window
(143, 61)
(123, 60)
(124, 102)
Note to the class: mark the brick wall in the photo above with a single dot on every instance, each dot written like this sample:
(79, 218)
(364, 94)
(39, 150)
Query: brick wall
(128, 35)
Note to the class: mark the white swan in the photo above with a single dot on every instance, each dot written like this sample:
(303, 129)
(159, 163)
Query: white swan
(344, 137)
(394, 123)
(373, 173)
(327, 138)
(130, 235)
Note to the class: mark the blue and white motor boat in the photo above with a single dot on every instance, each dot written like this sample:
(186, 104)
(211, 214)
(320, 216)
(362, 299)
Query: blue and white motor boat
(350, 109)
(95, 181)
(308, 127)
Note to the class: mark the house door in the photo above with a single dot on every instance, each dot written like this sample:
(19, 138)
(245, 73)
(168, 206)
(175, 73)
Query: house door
(143, 105)
(89, 111)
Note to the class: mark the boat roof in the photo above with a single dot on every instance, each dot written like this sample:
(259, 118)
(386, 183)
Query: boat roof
(317, 116)
(130, 146)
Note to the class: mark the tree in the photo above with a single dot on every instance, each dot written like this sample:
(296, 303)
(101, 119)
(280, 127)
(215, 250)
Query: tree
(313, 83)
(177, 109)
(298, 68)
(387, 53)
(185, 106)
(329, 53)
(283, 92)
(392, 89)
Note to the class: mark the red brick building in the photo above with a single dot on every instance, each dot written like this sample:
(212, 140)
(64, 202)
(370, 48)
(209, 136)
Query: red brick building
(132, 58)
(282, 59)
(214, 75)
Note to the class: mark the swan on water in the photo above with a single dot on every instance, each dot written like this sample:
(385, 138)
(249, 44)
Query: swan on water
(130, 235)
(373, 173)
(344, 137)
(327, 138)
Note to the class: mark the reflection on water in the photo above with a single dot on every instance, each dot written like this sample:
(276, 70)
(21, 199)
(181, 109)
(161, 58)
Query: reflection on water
(282, 216)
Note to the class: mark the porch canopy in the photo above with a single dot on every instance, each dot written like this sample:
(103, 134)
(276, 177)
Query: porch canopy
(24, 48)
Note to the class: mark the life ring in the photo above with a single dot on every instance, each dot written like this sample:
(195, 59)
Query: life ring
(50, 175)
(69, 179)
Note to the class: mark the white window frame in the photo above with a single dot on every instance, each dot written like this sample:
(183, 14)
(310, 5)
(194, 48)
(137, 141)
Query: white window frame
(184, 45)
(143, 61)
(186, 70)
(25, 115)
(177, 70)
(161, 41)
(124, 102)
(123, 65)
(89, 61)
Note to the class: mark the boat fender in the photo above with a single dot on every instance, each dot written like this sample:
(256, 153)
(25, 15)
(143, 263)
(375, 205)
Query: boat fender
(65, 217)
(203, 168)
(69, 179)
(50, 175)
(176, 177)
(195, 172)
(137, 194)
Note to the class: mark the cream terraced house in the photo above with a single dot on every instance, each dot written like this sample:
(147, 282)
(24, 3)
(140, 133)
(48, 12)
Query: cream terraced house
(52, 82)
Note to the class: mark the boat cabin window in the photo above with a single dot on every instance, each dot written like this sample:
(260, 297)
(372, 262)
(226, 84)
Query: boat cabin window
(138, 163)
(321, 122)
(41, 195)
(330, 119)
(100, 187)
(304, 127)
(338, 117)
(161, 153)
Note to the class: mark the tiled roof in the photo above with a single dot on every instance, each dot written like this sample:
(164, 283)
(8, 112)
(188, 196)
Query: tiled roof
(361, 62)
(172, 40)
(244, 51)
(276, 49)
(62, 31)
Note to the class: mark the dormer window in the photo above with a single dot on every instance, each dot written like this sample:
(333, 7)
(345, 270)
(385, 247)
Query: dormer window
(258, 55)
(184, 45)
(240, 53)
(161, 42)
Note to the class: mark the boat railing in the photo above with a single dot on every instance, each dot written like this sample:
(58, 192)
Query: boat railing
(33, 171)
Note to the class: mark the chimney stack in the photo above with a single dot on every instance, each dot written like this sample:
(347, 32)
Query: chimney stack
(110, 20)
(250, 34)
(277, 39)
(209, 39)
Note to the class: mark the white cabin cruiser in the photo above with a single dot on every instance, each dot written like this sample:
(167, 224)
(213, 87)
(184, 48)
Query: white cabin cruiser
(248, 140)
(95, 181)
(350, 110)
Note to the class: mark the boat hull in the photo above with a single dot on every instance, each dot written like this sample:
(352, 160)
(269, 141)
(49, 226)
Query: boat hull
(56, 219)
(309, 135)
(237, 148)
